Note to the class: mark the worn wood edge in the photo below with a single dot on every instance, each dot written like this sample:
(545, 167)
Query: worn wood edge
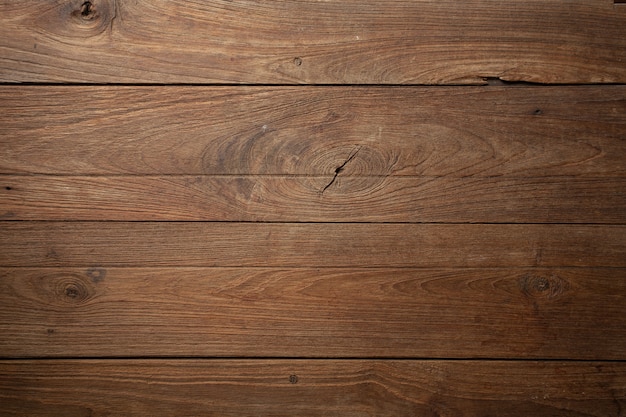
(314, 388)
(309, 244)
(443, 131)
(314, 199)
(307, 312)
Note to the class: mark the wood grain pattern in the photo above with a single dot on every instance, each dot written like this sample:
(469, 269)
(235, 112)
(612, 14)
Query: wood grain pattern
(301, 312)
(457, 132)
(237, 208)
(92, 244)
(312, 388)
(343, 42)
(314, 199)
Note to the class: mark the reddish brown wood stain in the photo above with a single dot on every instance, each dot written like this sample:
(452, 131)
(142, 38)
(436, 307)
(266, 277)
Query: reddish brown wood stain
(333, 208)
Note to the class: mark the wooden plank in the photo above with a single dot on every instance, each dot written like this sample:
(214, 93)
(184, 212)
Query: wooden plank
(312, 388)
(337, 41)
(300, 312)
(318, 199)
(516, 132)
(314, 245)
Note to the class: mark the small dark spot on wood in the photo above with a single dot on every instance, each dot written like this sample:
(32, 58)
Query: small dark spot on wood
(8, 188)
(96, 274)
(537, 112)
(52, 254)
(50, 331)
(297, 61)
(293, 379)
(34, 46)
(86, 10)
(71, 292)
(542, 284)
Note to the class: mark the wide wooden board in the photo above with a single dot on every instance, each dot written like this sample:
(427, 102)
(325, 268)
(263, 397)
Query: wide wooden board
(456, 132)
(92, 244)
(303, 312)
(328, 42)
(233, 388)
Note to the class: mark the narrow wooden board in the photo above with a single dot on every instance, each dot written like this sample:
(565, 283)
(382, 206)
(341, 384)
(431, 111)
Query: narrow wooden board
(92, 244)
(236, 388)
(315, 199)
(329, 42)
(457, 132)
(300, 312)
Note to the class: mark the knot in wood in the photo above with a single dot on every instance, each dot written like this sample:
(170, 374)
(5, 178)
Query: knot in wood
(537, 286)
(73, 290)
(87, 10)
(91, 17)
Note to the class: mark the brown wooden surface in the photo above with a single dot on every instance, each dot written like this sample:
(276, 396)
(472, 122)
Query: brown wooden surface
(266, 211)
(312, 388)
(139, 244)
(342, 42)
(315, 199)
(302, 312)
(456, 132)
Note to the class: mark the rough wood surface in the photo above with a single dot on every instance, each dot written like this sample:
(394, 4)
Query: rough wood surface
(300, 312)
(233, 388)
(315, 245)
(270, 213)
(337, 41)
(314, 199)
(457, 132)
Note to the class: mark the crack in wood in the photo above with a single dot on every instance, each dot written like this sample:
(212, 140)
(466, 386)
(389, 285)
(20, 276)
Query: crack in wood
(341, 167)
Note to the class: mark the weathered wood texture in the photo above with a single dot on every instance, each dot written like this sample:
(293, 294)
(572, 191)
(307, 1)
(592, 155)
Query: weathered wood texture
(526, 155)
(456, 132)
(315, 199)
(337, 41)
(312, 388)
(389, 248)
(91, 244)
(302, 312)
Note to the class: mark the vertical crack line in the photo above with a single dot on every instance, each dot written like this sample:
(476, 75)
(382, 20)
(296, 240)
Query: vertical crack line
(114, 15)
(341, 167)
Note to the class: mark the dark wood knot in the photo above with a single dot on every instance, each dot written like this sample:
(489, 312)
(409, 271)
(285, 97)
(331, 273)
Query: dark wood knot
(92, 17)
(87, 10)
(538, 286)
(73, 290)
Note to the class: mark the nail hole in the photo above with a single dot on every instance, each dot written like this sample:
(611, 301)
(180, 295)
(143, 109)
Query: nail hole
(8, 188)
(293, 379)
(537, 112)
(297, 61)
